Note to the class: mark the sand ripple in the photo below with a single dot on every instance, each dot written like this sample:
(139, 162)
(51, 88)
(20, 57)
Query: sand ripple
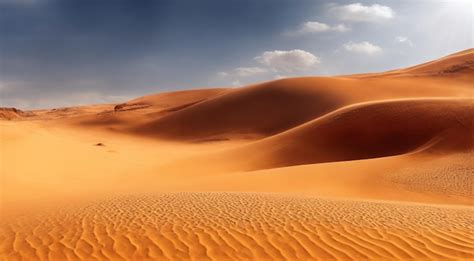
(242, 226)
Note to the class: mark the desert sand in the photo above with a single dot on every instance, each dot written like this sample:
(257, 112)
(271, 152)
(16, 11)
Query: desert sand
(373, 166)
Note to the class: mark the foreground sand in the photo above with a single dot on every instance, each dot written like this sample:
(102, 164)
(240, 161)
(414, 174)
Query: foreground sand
(373, 166)
(222, 226)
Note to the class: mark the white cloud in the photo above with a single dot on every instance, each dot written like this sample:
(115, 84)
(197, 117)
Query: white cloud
(363, 13)
(242, 72)
(273, 65)
(249, 71)
(317, 27)
(341, 28)
(363, 47)
(404, 40)
(314, 27)
(288, 61)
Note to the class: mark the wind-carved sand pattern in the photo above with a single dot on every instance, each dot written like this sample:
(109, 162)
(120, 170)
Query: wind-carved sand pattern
(243, 226)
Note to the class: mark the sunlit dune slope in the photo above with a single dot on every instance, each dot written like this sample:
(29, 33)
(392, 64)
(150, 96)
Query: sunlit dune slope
(226, 226)
(417, 177)
(129, 164)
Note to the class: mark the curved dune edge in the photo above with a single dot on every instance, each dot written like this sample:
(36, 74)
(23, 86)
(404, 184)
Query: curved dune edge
(372, 130)
(236, 226)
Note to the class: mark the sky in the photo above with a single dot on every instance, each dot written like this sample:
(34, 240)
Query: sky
(56, 53)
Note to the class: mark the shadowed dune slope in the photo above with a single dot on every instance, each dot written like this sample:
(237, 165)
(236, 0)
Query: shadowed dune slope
(240, 226)
(362, 131)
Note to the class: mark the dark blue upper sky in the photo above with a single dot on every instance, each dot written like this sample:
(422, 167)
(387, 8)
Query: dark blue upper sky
(68, 52)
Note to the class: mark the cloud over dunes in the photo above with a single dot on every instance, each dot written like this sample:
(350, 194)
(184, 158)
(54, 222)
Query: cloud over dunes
(317, 27)
(362, 47)
(243, 72)
(292, 60)
(404, 40)
(249, 71)
(272, 65)
(358, 12)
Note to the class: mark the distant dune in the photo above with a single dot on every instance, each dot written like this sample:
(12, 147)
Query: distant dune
(371, 166)
(13, 113)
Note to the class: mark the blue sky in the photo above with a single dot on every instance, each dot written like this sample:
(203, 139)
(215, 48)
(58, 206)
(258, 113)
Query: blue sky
(68, 52)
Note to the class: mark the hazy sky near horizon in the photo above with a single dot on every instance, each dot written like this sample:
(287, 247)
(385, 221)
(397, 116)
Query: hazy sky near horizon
(56, 53)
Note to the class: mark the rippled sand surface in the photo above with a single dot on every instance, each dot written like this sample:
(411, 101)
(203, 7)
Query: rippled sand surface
(222, 226)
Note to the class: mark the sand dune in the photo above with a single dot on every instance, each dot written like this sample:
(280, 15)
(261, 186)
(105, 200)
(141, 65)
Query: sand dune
(261, 110)
(223, 226)
(434, 179)
(374, 166)
(269, 108)
(121, 117)
(265, 109)
(371, 130)
(361, 131)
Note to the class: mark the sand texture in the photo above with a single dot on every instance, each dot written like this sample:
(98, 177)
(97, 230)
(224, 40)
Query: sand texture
(222, 226)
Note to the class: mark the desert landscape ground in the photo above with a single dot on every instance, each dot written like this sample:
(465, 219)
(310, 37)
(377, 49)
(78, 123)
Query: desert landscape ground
(373, 166)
